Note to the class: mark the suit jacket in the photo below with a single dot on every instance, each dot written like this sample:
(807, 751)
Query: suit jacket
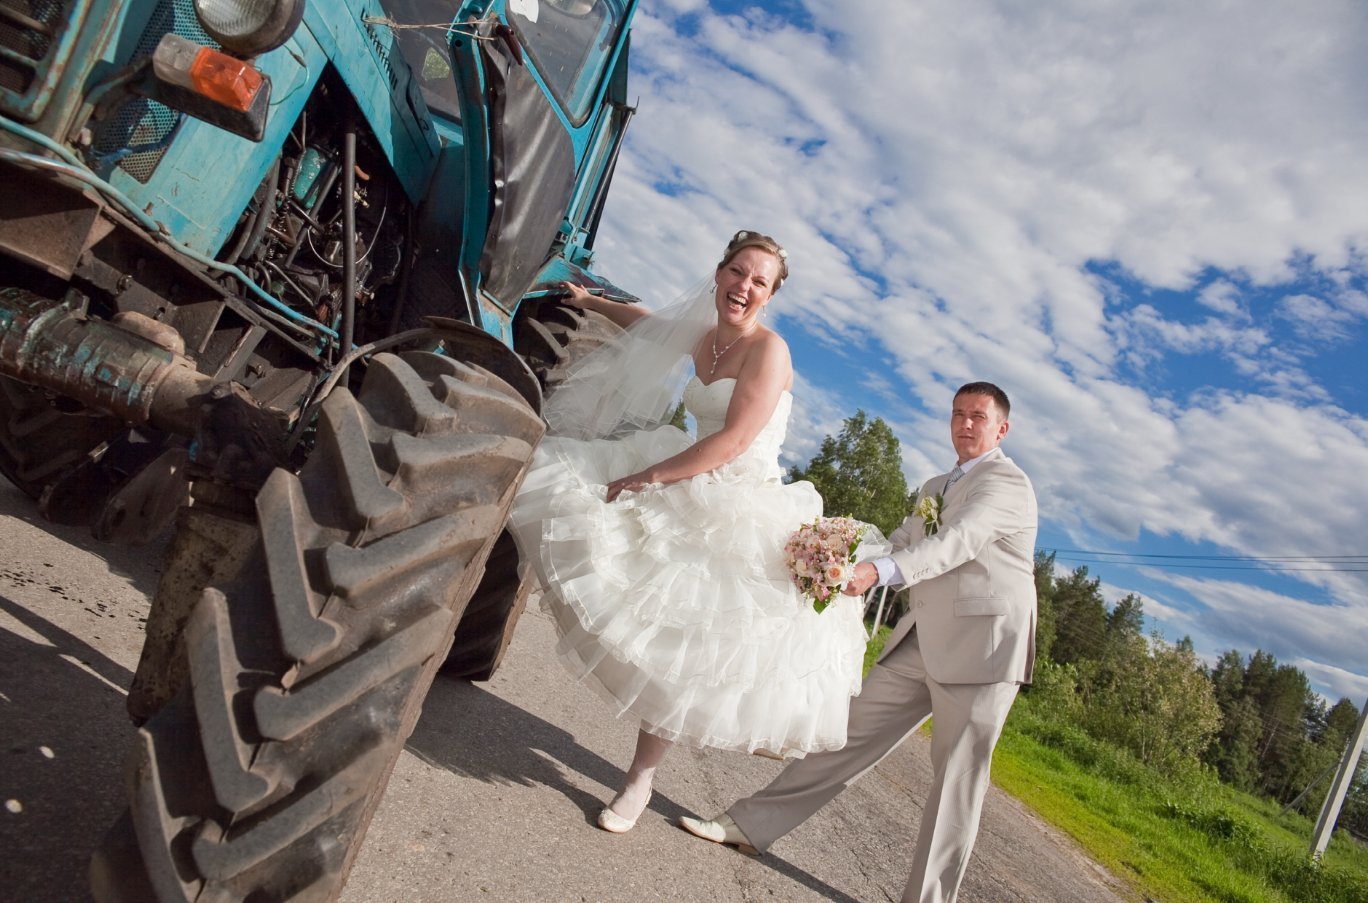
(973, 596)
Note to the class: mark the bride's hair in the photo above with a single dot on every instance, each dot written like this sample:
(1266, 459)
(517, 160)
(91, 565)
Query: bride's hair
(747, 239)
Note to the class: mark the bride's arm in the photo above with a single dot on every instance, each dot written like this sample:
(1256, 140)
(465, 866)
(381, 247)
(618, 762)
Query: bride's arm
(622, 314)
(767, 372)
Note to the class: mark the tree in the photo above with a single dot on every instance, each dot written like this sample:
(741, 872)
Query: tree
(1155, 701)
(677, 418)
(1340, 723)
(1080, 618)
(1044, 567)
(859, 473)
(1234, 750)
(1127, 618)
(1288, 711)
(1354, 813)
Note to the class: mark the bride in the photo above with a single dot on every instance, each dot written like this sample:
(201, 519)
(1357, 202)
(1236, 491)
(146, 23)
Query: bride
(661, 558)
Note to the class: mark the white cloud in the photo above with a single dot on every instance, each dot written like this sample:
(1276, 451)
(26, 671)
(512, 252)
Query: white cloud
(950, 176)
(1315, 319)
(1222, 297)
(1294, 631)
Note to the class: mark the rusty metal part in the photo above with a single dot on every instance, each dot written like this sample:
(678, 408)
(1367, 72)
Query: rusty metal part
(239, 442)
(53, 344)
(464, 342)
(48, 223)
(210, 547)
(163, 335)
(143, 506)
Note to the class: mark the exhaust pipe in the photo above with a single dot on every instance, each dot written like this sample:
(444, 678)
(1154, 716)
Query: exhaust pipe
(132, 367)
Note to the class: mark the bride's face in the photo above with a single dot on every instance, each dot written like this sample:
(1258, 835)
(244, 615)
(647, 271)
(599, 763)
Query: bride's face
(745, 285)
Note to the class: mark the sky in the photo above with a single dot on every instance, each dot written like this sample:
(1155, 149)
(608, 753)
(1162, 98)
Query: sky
(1148, 222)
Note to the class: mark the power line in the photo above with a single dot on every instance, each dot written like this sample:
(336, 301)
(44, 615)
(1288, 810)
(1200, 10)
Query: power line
(1358, 558)
(1331, 564)
(1266, 569)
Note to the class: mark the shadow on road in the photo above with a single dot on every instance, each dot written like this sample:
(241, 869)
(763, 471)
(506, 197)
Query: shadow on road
(140, 565)
(65, 733)
(469, 731)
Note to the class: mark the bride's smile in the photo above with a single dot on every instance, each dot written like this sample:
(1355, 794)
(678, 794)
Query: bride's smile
(744, 286)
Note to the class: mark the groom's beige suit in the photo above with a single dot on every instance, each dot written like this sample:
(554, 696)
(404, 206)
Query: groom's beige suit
(960, 653)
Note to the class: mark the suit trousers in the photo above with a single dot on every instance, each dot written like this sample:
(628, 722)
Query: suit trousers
(897, 697)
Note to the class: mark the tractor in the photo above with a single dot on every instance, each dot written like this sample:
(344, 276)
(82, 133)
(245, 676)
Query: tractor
(278, 280)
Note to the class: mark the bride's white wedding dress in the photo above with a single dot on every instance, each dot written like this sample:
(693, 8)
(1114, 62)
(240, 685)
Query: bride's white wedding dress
(675, 603)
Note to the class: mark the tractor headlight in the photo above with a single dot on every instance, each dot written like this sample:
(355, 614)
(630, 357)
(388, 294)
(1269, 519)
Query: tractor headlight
(249, 27)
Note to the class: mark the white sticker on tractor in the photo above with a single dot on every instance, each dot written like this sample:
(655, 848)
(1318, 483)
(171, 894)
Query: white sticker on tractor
(528, 9)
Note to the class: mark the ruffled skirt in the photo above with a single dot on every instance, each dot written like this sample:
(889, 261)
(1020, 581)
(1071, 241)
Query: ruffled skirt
(675, 603)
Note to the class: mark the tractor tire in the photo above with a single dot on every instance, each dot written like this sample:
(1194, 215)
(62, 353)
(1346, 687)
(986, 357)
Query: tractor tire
(486, 628)
(552, 336)
(308, 668)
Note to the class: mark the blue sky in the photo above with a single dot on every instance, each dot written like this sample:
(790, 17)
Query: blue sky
(1147, 221)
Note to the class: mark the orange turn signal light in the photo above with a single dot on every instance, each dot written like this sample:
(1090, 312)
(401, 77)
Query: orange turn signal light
(212, 74)
(222, 78)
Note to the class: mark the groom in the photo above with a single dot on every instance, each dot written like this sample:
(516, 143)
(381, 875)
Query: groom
(965, 645)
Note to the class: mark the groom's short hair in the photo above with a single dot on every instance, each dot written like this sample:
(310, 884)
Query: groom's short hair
(981, 388)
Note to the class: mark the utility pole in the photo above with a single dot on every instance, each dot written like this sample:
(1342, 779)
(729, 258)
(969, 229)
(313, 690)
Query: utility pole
(1325, 825)
(878, 615)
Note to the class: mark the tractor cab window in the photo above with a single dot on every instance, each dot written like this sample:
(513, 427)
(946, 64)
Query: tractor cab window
(570, 42)
(427, 50)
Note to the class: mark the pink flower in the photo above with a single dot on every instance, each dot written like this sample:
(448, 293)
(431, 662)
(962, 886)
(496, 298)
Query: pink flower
(820, 556)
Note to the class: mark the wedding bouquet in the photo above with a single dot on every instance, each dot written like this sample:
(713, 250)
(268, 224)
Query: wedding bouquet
(822, 555)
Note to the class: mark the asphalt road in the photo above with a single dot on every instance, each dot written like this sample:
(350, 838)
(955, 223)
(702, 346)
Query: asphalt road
(494, 797)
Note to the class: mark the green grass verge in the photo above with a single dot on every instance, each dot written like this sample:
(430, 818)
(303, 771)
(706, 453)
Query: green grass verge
(1177, 840)
(876, 644)
(1186, 839)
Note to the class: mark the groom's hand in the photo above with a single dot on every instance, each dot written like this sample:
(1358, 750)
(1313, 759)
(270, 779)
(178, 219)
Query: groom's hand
(865, 576)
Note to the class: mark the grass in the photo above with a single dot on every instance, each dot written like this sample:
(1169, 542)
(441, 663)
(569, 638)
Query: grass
(876, 644)
(1187, 839)
(1178, 840)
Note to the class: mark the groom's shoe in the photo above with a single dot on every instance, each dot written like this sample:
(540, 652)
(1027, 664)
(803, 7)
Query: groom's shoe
(720, 830)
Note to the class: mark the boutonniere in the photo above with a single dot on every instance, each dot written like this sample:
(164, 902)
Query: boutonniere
(929, 510)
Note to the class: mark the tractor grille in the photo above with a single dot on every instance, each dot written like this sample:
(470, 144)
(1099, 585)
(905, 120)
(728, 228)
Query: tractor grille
(136, 135)
(29, 32)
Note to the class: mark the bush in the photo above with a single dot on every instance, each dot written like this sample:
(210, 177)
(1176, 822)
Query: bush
(1087, 752)
(1053, 692)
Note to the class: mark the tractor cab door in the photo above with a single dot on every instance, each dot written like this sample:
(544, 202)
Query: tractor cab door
(541, 85)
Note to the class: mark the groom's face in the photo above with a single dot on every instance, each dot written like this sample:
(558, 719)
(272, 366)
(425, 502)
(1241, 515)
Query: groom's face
(976, 426)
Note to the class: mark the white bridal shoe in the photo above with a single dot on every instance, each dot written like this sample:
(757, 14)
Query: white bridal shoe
(613, 823)
(720, 830)
(610, 821)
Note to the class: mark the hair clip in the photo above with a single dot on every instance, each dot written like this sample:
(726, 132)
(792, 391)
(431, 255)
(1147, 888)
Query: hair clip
(783, 255)
(740, 236)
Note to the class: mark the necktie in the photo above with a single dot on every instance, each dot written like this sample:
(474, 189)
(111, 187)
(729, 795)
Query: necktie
(954, 475)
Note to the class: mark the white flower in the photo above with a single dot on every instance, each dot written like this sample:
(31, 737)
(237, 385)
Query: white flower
(929, 510)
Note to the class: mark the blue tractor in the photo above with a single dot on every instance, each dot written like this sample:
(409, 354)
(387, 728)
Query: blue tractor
(278, 275)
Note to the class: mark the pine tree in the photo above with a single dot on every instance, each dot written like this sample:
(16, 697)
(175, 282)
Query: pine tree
(859, 473)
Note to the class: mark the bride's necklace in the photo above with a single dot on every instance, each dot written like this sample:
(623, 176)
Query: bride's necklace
(717, 355)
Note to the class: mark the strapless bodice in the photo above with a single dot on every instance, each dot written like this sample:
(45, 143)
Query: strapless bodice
(708, 403)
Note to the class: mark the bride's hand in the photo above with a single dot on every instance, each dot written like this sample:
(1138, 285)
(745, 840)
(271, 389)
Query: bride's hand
(630, 483)
(575, 295)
